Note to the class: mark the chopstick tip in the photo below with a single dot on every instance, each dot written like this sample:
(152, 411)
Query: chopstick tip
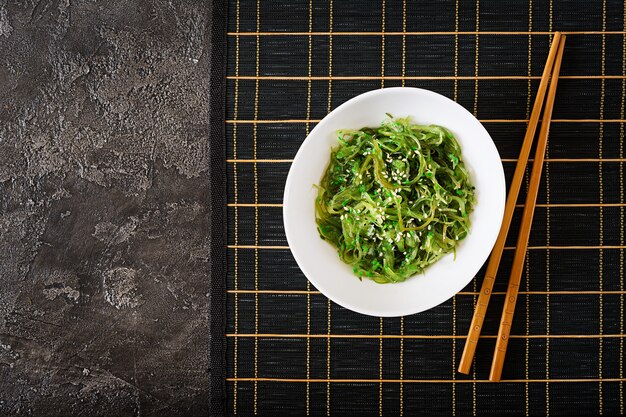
(463, 370)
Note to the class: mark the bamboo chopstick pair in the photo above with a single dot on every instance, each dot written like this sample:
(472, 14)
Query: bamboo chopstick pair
(551, 70)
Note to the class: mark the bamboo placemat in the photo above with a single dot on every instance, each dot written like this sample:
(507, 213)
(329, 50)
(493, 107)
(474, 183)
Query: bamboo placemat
(292, 352)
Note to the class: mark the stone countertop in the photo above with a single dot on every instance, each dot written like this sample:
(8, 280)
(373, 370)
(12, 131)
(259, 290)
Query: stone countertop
(103, 207)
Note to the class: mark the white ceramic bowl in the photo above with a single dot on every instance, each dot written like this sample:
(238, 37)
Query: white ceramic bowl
(319, 260)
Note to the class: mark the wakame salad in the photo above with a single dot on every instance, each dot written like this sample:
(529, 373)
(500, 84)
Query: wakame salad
(394, 199)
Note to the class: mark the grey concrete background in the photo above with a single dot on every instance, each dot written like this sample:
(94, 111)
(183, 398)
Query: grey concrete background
(103, 207)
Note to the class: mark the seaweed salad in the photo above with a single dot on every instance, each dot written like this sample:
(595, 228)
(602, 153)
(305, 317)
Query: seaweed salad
(394, 199)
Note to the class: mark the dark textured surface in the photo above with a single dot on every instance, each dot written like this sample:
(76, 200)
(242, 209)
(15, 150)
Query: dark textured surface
(103, 207)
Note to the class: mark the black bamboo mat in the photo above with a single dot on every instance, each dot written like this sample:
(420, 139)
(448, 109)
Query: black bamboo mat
(292, 352)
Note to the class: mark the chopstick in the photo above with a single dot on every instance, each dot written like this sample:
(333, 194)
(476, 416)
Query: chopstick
(496, 254)
(527, 218)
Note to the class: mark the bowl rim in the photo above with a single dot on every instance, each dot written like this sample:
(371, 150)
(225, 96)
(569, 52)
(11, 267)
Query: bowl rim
(489, 241)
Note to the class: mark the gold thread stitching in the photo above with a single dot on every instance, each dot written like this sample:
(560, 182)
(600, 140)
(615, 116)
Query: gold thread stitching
(236, 198)
(456, 98)
(527, 324)
(308, 283)
(329, 107)
(401, 366)
(601, 189)
(256, 210)
(475, 115)
(621, 230)
(380, 368)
